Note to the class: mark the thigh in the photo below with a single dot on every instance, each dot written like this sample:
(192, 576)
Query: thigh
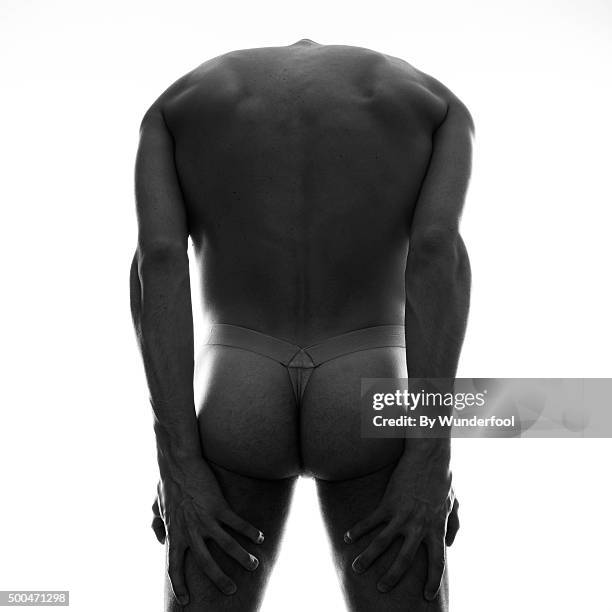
(265, 504)
(247, 413)
(343, 504)
(330, 434)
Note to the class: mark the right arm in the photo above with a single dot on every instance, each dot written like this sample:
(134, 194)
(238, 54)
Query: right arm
(190, 500)
(160, 295)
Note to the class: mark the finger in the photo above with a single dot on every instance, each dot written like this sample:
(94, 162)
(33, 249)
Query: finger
(376, 548)
(159, 529)
(176, 573)
(452, 524)
(363, 527)
(157, 524)
(209, 566)
(436, 555)
(237, 523)
(402, 562)
(233, 549)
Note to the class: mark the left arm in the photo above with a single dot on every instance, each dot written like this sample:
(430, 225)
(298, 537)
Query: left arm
(419, 503)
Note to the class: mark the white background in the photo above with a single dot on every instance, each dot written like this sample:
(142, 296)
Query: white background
(76, 442)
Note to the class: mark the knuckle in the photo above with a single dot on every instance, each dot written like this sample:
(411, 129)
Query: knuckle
(240, 522)
(402, 561)
(394, 524)
(191, 514)
(379, 544)
(236, 517)
(230, 546)
(226, 514)
(219, 533)
(235, 549)
(426, 519)
(207, 565)
(221, 538)
(215, 574)
(393, 577)
(202, 559)
(248, 529)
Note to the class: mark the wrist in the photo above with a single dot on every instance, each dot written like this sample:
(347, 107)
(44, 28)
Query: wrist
(427, 455)
(178, 438)
(187, 473)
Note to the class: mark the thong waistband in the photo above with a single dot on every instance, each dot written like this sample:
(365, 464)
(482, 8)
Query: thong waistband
(293, 356)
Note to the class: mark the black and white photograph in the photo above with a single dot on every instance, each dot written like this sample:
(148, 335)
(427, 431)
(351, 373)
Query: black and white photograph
(307, 306)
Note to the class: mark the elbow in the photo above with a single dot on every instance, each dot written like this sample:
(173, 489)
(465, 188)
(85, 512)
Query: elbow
(435, 242)
(163, 265)
(161, 254)
(443, 249)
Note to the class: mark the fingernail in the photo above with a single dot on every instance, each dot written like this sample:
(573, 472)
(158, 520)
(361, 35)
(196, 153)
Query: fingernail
(254, 562)
(382, 587)
(230, 589)
(357, 567)
(430, 596)
(183, 600)
(347, 537)
(260, 538)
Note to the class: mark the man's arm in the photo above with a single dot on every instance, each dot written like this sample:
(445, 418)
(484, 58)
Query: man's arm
(190, 500)
(438, 270)
(419, 503)
(160, 293)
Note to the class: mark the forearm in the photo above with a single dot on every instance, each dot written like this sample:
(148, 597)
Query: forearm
(437, 304)
(161, 309)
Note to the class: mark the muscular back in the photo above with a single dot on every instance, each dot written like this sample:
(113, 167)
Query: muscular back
(300, 168)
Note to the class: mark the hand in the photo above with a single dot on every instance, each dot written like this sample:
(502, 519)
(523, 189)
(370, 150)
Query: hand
(194, 510)
(418, 505)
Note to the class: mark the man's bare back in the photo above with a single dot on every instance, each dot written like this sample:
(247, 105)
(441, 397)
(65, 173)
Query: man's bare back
(306, 161)
(302, 174)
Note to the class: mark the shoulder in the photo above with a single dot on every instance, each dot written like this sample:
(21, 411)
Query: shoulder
(455, 107)
(196, 86)
(440, 97)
